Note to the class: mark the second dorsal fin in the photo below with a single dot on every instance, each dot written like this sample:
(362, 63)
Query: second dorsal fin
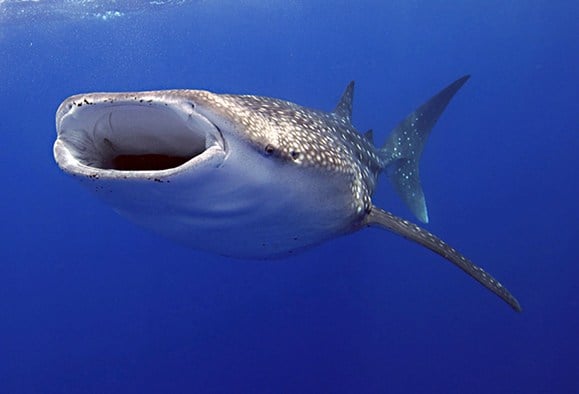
(369, 135)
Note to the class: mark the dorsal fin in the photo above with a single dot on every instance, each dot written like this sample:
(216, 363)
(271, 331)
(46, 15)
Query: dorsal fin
(344, 107)
(369, 135)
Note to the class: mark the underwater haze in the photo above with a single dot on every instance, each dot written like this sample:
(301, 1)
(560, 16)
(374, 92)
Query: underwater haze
(91, 303)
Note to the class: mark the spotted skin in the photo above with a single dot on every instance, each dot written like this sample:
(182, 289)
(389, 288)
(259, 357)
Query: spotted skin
(308, 138)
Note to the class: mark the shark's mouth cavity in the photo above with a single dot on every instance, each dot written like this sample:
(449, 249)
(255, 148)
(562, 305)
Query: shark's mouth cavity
(131, 137)
(135, 138)
(148, 161)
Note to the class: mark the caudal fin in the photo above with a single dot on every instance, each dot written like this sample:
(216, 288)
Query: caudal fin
(405, 144)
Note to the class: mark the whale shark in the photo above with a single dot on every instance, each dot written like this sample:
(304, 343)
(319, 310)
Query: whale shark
(249, 176)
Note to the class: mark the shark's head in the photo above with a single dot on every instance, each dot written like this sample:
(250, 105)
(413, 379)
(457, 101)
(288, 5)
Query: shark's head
(139, 136)
(163, 133)
(205, 168)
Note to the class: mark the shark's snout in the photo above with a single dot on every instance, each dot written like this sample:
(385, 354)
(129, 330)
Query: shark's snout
(106, 134)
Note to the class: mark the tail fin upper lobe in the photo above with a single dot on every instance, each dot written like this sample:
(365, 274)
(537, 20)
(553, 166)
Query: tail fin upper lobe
(405, 144)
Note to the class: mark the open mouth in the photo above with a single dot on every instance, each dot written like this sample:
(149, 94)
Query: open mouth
(97, 133)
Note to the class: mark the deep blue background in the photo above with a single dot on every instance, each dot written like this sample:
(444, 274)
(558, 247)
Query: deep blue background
(92, 303)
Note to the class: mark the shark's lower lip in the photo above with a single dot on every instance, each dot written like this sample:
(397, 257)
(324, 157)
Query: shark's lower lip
(134, 138)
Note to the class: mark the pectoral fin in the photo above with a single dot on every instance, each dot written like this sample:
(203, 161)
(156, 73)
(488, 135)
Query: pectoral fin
(383, 219)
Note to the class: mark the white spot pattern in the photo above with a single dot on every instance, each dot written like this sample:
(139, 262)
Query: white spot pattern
(304, 137)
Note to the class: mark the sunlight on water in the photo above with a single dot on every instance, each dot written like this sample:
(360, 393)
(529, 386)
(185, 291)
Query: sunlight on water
(23, 11)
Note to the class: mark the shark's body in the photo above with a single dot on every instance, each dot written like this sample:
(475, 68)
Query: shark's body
(248, 176)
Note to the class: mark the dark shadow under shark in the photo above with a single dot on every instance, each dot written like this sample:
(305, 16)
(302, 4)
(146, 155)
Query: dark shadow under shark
(249, 176)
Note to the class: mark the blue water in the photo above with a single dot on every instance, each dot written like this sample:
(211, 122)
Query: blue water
(91, 303)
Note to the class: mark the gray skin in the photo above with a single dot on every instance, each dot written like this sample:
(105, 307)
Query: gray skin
(248, 176)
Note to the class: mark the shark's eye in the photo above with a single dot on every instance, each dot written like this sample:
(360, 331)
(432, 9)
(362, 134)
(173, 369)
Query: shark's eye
(269, 149)
(294, 154)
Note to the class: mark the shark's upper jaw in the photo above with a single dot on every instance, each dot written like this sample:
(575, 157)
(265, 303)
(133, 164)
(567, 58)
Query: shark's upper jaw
(134, 136)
